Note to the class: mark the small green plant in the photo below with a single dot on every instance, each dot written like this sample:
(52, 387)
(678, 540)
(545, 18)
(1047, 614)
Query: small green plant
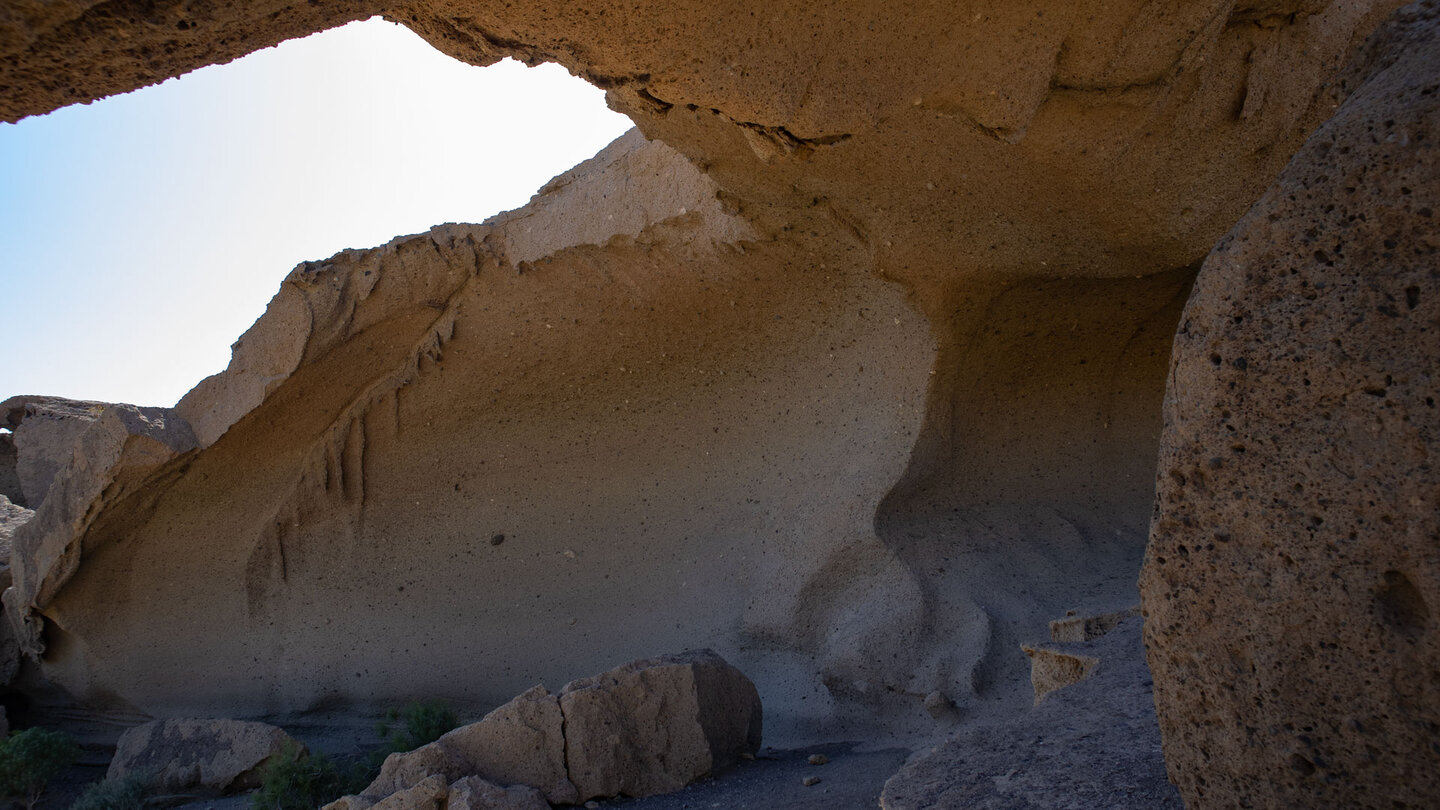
(418, 724)
(125, 793)
(294, 781)
(29, 759)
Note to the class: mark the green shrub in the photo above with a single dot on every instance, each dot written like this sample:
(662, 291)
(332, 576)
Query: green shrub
(126, 793)
(420, 724)
(293, 781)
(29, 759)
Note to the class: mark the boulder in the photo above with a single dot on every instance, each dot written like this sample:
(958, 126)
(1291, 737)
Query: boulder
(474, 793)
(429, 794)
(199, 754)
(648, 727)
(522, 742)
(1292, 580)
(656, 725)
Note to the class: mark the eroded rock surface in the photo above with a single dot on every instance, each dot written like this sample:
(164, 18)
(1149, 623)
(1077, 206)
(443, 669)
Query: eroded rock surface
(1293, 575)
(44, 432)
(199, 754)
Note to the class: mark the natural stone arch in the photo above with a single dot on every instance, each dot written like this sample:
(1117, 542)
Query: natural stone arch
(986, 152)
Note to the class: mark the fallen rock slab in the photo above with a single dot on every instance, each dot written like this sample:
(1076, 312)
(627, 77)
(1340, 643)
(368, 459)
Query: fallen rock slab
(199, 754)
(648, 727)
(653, 726)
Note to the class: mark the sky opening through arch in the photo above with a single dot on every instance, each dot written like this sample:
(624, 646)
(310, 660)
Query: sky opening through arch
(142, 234)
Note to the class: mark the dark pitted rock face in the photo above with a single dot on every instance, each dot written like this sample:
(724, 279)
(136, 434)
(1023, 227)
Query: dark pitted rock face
(1292, 584)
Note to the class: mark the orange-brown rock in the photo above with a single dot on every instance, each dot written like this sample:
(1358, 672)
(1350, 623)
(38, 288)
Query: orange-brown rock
(1293, 575)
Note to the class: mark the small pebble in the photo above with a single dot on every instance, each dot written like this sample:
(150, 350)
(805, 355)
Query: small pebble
(810, 781)
(818, 759)
(747, 756)
(497, 539)
(592, 805)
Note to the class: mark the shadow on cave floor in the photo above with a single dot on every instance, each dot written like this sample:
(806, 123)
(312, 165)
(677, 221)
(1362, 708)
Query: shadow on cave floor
(852, 778)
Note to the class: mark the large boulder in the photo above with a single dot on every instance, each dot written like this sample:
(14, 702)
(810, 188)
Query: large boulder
(522, 742)
(656, 725)
(648, 727)
(199, 754)
(1293, 574)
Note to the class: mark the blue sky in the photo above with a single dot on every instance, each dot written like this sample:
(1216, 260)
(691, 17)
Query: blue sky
(144, 233)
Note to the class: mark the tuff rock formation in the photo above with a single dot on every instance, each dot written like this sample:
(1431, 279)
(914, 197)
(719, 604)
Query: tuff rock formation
(1293, 574)
(848, 364)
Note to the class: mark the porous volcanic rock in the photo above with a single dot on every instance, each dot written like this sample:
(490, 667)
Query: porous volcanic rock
(207, 754)
(1293, 575)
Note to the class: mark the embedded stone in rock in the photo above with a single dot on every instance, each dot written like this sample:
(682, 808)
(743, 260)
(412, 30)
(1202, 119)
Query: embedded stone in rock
(189, 754)
(520, 743)
(1292, 580)
(1087, 628)
(655, 725)
(1056, 666)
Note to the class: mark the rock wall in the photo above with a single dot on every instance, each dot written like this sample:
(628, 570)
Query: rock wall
(1294, 565)
(852, 371)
